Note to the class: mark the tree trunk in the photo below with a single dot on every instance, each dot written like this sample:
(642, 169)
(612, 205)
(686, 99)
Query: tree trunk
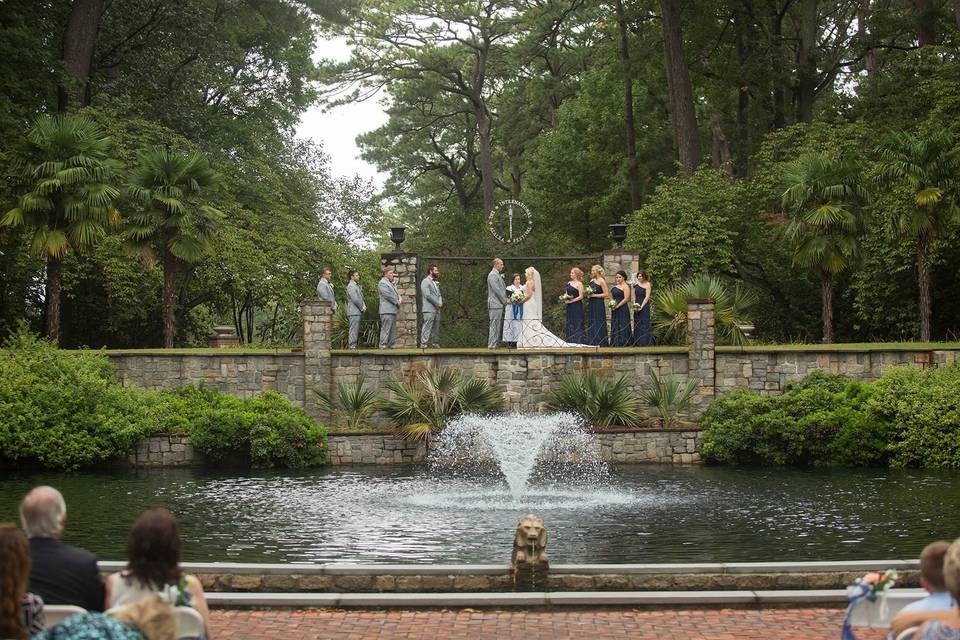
(170, 267)
(683, 117)
(923, 284)
(926, 17)
(633, 170)
(826, 305)
(721, 148)
(484, 135)
(869, 58)
(779, 95)
(79, 42)
(53, 294)
(956, 12)
(742, 142)
(807, 81)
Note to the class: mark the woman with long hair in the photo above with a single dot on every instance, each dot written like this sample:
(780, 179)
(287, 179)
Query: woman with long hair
(154, 549)
(575, 326)
(620, 311)
(21, 613)
(641, 316)
(596, 292)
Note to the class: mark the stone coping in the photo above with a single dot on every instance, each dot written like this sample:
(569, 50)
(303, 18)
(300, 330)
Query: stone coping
(214, 352)
(598, 432)
(896, 599)
(509, 352)
(853, 347)
(349, 569)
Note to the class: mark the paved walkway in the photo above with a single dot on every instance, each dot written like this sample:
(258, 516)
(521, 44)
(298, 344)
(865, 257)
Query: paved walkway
(469, 624)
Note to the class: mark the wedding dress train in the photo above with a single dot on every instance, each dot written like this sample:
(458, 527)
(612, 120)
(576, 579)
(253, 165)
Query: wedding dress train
(533, 333)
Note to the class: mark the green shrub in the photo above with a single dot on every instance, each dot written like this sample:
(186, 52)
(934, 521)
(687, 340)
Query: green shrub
(924, 407)
(597, 400)
(824, 420)
(63, 410)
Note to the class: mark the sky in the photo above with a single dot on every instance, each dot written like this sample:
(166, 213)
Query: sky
(338, 128)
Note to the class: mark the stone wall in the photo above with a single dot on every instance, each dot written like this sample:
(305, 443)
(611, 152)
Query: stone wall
(374, 448)
(164, 451)
(661, 445)
(238, 373)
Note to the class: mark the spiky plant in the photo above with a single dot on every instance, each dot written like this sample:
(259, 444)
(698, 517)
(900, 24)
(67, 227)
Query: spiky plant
(669, 395)
(68, 172)
(823, 197)
(433, 397)
(599, 401)
(170, 183)
(731, 308)
(354, 404)
(929, 167)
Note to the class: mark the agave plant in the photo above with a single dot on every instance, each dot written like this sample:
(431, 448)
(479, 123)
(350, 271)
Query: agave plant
(599, 401)
(669, 395)
(354, 402)
(670, 308)
(425, 404)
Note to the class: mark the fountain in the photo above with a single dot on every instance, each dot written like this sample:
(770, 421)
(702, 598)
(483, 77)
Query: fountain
(553, 447)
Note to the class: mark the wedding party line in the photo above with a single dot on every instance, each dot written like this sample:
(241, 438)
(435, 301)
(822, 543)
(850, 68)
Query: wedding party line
(515, 310)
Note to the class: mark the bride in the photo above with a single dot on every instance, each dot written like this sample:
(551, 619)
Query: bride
(533, 335)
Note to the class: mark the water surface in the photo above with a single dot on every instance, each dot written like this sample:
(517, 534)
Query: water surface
(408, 514)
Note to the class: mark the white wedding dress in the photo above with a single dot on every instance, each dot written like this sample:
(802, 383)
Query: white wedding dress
(533, 334)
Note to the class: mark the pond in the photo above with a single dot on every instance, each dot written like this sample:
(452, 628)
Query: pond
(410, 514)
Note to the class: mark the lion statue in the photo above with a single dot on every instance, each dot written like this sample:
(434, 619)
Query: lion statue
(529, 543)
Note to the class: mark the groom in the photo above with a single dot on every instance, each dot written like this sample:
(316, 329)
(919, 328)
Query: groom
(497, 299)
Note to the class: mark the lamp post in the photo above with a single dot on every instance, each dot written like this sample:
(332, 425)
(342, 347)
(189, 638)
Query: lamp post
(619, 233)
(397, 236)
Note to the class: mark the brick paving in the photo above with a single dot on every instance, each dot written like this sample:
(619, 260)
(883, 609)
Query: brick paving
(470, 624)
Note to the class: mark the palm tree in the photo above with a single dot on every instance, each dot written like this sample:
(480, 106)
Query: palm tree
(168, 182)
(731, 307)
(822, 198)
(929, 167)
(67, 166)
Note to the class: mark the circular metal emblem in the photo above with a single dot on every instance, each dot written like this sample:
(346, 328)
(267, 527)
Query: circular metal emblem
(510, 221)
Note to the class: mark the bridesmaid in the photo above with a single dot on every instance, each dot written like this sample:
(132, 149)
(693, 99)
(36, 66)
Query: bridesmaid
(596, 293)
(575, 329)
(620, 315)
(641, 318)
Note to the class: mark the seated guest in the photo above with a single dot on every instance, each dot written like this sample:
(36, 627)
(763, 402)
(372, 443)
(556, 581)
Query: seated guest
(154, 549)
(92, 626)
(21, 613)
(945, 625)
(152, 617)
(61, 574)
(931, 579)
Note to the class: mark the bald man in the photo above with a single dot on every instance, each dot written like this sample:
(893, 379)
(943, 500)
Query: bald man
(60, 574)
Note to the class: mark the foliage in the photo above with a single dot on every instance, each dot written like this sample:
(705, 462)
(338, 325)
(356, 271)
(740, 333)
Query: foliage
(731, 306)
(824, 420)
(669, 395)
(599, 401)
(354, 403)
(63, 410)
(433, 397)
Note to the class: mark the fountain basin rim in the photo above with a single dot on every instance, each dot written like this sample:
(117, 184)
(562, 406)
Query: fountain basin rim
(347, 569)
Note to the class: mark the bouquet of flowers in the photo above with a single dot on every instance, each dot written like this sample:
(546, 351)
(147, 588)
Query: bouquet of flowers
(517, 297)
(612, 304)
(872, 587)
(565, 297)
(636, 306)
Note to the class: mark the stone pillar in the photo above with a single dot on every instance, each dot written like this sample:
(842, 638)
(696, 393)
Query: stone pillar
(614, 260)
(405, 279)
(317, 362)
(701, 358)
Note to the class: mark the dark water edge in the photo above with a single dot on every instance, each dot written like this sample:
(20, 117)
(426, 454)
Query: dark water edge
(408, 514)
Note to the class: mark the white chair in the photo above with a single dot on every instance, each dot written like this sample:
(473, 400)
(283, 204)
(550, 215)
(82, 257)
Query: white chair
(57, 613)
(189, 623)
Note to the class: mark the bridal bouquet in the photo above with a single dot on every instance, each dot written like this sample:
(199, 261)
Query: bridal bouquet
(636, 306)
(565, 297)
(872, 587)
(612, 304)
(517, 297)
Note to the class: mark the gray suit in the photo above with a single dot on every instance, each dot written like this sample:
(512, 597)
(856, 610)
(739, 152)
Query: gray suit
(355, 309)
(389, 308)
(325, 292)
(497, 299)
(430, 301)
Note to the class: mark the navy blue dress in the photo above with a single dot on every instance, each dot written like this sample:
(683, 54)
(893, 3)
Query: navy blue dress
(619, 320)
(575, 330)
(596, 316)
(641, 320)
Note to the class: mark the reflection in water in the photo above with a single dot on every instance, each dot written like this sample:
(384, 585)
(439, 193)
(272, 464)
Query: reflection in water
(413, 514)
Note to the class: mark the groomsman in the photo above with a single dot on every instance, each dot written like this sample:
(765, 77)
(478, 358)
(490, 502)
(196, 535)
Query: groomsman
(389, 308)
(325, 289)
(497, 299)
(431, 303)
(355, 307)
